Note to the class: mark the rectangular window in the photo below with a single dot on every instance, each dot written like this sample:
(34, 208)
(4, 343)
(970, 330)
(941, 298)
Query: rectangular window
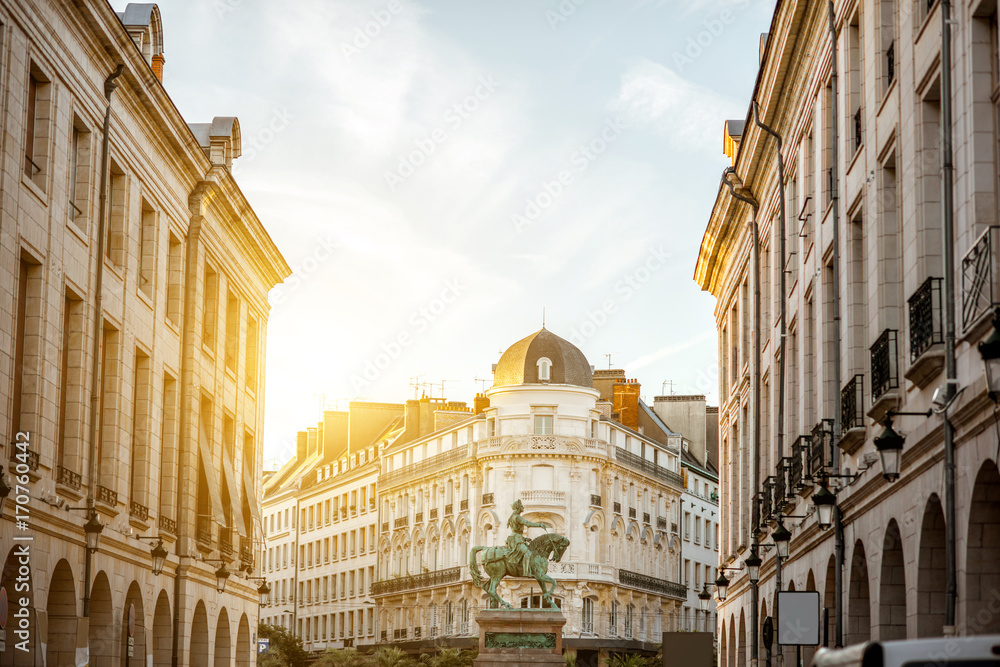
(114, 240)
(251, 362)
(27, 346)
(854, 88)
(210, 309)
(38, 126)
(139, 454)
(80, 185)
(174, 279)
(929, 184)
(147, 249)
(232, 330)
(107, 439)
(543, 424)
(71, 386)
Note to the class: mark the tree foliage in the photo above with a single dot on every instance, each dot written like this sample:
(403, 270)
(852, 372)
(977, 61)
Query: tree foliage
(285, 649)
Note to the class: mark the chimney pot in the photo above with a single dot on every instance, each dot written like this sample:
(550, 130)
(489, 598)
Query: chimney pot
(157, 66)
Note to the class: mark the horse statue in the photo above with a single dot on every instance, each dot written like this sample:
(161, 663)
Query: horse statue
(498, 563)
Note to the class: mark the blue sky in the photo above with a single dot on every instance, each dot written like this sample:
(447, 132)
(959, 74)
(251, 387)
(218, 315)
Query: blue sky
(438, 172)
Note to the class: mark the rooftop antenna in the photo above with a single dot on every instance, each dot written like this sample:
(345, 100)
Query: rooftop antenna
(608, 355)
(321, 399)
(415, 384)
(442, 387)
(663, 390)
(483, 384)
(543, 317)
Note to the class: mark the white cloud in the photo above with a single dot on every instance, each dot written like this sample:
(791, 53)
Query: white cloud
(688, 115)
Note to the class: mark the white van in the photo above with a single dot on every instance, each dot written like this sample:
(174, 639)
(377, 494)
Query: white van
(974, 651)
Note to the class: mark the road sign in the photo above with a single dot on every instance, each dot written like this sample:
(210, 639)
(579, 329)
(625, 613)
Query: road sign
(798, 618)
(131, 647)
(3, 607)
(131, 620)
(767, 633)
(263, 643)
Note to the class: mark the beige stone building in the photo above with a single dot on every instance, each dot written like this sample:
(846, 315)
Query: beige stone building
(584, 454)
(883, 196)
(169, 447)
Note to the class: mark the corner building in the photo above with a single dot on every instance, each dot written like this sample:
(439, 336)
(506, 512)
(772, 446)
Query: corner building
(179, 333)
(887, 206)
(583, 454)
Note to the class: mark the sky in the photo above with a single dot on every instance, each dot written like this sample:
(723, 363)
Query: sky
(439, 174)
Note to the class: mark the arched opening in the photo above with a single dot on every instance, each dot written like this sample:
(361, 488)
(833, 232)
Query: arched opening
(7, 580)
(105, 627)
(809, 651)
(199, 636)
(162, 632)
(830, 601)
(244, 652)
(134, 599)
(859, 617)
(61, 609)
(741, 650)
(930, 571)
(892, 587)
(982, 562)
(223, 640)
(723, 647)
(731, 656)
(764, 649)
(787, 651)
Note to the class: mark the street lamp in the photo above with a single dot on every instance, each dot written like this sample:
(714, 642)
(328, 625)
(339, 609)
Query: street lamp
(782, 537)
(890, 450)
(93, 529)
(825, 502)
(721, 586)
(264, 591)
(753, 564)
(221, 575)
(4, 490)
(989, 349)
(159, 557)
(704, 596)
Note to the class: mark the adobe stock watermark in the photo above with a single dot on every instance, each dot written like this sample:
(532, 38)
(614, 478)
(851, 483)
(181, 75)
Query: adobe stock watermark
(223, 7)
(363, 34)
(625, 288)
(418, 322)
(324, 249)
(453, 118)
(562, 13)
(257, 142)
(579, 162)
(714, 27)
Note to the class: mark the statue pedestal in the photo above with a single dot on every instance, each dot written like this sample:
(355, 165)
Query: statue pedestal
(510, 637)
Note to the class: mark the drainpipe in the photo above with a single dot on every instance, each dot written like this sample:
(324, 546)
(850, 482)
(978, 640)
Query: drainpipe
(951, 383)
(755, 234)
(782, 325)
(95, 397)
(838, 523)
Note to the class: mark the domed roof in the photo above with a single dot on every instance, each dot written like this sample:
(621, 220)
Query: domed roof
(519, 364)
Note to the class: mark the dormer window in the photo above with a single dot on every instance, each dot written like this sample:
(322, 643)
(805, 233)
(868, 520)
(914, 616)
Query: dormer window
(544, 369)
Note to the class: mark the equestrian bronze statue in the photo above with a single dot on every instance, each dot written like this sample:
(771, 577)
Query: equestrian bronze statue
(519, 558)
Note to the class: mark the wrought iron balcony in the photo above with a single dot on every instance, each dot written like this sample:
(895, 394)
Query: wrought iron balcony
(226, 541)
(890, 63)
(885, 366)
(463, 505)
(25, 456)
(385, 526)
(595, 500)
(401, 522)
(796, 463)
(857, 129)
(448, 509)
(926, 318)
(434, 513)
(780, 483)
(138, 510)
(652, 584)
(661, 522)
(637, 462)
(106, 495)
(167, 525)
(205, 530)
(631, 512)
(820, 454)
(852, 407)
(487, 499)
(767, 499)
(69, 478)
(617, 507)
(645, 517)
(418, 517)
(424, 580)
(425, 468)
(980, 273)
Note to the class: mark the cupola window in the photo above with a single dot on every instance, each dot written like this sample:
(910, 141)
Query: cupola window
(544, 369)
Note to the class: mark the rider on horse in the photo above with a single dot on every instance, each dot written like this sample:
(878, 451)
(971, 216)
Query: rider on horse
(517, 547)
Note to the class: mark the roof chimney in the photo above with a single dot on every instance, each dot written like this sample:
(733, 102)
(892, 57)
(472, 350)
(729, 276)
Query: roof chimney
(626, 403)
(158, 67)
(480, 403)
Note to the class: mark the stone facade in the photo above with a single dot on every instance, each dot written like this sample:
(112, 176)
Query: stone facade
(891, 269)
(175, 451)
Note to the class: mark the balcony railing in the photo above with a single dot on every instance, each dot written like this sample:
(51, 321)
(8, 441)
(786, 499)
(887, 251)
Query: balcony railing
(617, 507)
(543, 497)
(820, 454)
(226, 541)
(434, 513)
(167, 525)
(106, 495)
(890, 63)
(780, 483)
(69, 478)
(448, 509)
(767, 500)
(926, 318)
(401, 522)
(385, 526)
(425, 468)
(857, 129)
(138, 510)
(852, 406)
(648, 467)
(885, 367)
(595, 500)
(661, 522)
(25, 456)
(418, 517)
(647, 583)
(205, 530)
(424, 580)
(980, 273)
(487, 499)
(645, 517)
(463, 505)
(797, 462)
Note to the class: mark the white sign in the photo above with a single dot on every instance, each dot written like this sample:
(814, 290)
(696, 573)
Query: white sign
(131, 647)
(798, 618)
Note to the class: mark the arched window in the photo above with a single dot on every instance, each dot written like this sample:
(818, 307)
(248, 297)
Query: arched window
(629, 611)
(544, 369)
(613, 619)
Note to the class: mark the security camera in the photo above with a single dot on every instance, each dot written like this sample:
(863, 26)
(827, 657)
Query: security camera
(939, 400)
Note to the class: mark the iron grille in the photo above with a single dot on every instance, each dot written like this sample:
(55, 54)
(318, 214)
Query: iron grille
(645, 517)
(168, 525)
(69, 478)
(226, 541)
(617, 508)
(767, 500)
(418, 517)
(424, 580)
(401, 522)
(661, 522)
(595, 500)
(926, 318)
(885, 367)
(447, 509)
(385, 526)
(796, 467)
(780, 483)
(487, 499)
(205, 529)
(857, 129)
(106, 495)
(434, 513)
(979, 293)
(138, 510)
(645, 582)
(852, 403)
(631, 512)
(463, 505)
(819, 447)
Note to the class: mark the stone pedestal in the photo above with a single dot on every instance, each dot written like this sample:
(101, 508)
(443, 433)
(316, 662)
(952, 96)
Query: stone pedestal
(509, 637)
